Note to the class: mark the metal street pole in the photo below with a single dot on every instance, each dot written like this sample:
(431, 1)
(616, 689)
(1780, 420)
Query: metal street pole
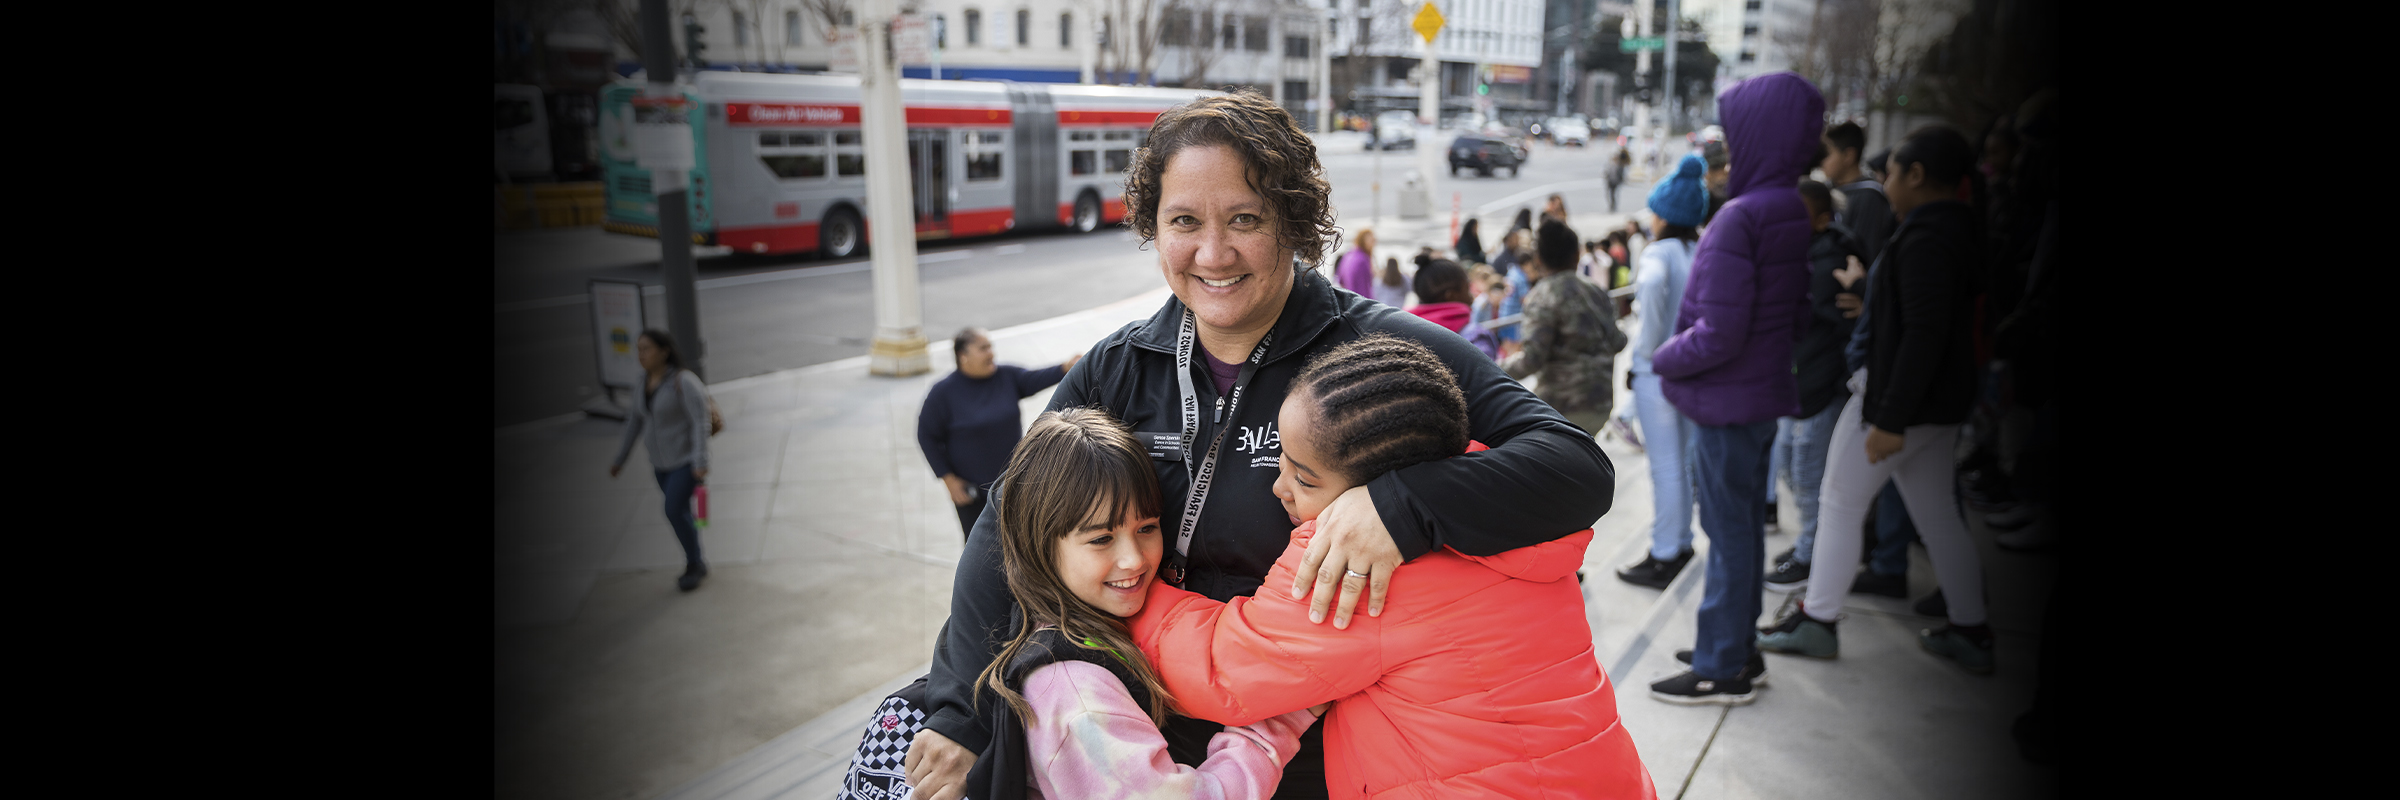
(1674, 32)
(672, 190)
(1429, 115)
(899, 346)
(1641, 72)
(1325, 73)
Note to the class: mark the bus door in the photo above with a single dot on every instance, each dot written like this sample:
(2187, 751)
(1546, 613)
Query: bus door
(929, 178)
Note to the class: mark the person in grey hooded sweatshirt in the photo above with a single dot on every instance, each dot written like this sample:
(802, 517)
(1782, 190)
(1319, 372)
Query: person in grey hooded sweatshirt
(673, 408)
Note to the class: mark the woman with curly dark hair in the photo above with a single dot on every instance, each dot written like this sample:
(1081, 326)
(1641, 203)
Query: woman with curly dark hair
(1229, 191)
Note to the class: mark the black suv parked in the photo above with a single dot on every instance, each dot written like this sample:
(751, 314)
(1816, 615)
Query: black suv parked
(1484, 155)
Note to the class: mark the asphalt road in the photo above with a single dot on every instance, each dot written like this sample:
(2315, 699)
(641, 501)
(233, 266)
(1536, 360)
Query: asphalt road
(761, 315)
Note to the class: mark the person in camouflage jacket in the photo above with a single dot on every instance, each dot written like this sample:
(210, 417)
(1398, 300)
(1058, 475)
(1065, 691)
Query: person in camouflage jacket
(1570, 333)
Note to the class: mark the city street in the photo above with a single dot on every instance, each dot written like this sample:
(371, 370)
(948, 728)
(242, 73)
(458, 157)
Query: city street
(761, 315)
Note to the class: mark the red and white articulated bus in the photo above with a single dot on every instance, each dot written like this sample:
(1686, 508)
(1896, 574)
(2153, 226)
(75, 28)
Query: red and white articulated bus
(780, 166)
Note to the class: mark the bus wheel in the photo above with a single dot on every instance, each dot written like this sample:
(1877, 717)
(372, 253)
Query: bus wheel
(841, 236)
(1087, 213)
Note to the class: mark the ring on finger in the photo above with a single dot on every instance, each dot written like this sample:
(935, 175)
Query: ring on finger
(1354, 573)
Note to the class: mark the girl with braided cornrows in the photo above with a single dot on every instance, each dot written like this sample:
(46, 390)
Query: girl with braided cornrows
(1480, 680)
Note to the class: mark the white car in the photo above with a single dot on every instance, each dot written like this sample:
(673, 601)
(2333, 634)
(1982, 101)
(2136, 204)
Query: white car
(1395, 129)
(1566, 131)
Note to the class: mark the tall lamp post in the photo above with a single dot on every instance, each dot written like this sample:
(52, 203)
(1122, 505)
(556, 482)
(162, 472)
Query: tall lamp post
(899, 345)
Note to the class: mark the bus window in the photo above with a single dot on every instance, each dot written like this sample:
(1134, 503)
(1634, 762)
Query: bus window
(1081, 136)
(848, 159)
(793, 154)
(983, 155)
(1083, 162)
(796, 166)
(1117, 159)
(1116, 136)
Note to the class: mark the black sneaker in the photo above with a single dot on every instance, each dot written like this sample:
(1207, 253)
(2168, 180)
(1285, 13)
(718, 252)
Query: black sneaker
(1788, 555)
(1788, 577)
(692, 573)
(1654, 573)
(1689, 689)
(1933, 605)
(1881, 585)
(1755, 672)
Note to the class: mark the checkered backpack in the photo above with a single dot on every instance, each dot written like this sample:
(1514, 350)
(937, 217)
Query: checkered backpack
(876, 772)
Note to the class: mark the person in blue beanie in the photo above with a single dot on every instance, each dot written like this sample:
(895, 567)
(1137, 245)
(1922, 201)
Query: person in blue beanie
(1676, 205)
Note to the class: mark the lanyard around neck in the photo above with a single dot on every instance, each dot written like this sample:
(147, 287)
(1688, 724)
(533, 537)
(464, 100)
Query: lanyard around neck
(1206, 470)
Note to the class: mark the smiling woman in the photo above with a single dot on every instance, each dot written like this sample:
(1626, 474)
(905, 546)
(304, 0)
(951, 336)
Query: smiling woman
(1229, 190)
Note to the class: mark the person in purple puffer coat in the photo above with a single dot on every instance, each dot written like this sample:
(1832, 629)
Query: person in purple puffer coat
(1728, 366)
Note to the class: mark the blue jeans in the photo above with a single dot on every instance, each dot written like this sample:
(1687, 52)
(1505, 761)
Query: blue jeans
(1779, 459)
(1667, 438)
(678, 483)
(1729, 462)
(1812, 438)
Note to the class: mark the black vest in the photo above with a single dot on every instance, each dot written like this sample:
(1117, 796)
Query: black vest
(1000, 771)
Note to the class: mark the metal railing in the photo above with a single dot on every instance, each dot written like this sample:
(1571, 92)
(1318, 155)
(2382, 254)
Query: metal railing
(1499, 323)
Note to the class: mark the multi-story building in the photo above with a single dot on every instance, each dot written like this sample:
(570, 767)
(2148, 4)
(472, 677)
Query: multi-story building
(1751, 37)
(1488, 50)
(1263, 44)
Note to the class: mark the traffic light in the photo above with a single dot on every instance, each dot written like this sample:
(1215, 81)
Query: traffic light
(692, 44)
(1483, 81)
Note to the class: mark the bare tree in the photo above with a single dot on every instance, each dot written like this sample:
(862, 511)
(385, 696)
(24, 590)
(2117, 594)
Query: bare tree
(1129, 49)
(1837, 51)
(828, 14)
(624, 21)
(1386, 30)
(1905, 31)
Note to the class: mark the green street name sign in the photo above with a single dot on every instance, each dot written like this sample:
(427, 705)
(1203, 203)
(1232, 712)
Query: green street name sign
(1652, 43)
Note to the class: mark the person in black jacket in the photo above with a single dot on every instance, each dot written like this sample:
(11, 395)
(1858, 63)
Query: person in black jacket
(1867, 213)
(1903, 423)
(970, 420)
(1230, 191)
(1835, 268)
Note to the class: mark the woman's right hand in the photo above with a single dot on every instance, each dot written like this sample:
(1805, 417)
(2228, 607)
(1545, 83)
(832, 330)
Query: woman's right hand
(936, 768)
(958, 490)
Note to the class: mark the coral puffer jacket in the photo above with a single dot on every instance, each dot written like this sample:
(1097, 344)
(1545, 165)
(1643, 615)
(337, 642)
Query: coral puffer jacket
(1479, 680)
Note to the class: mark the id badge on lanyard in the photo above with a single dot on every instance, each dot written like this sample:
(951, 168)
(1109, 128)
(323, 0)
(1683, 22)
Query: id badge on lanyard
(1202, 473)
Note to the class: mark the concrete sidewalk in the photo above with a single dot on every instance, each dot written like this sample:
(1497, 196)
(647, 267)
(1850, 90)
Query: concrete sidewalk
(832, 548)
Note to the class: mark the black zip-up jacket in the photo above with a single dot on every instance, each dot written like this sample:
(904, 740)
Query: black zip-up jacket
(1817, 360)
(1921, 349)
(1868, 218)
(1543, 479)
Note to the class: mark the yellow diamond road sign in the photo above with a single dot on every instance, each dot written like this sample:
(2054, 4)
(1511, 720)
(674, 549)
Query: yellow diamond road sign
(1428, 22)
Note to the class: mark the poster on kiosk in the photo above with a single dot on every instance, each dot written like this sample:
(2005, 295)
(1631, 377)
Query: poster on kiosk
(616, 323)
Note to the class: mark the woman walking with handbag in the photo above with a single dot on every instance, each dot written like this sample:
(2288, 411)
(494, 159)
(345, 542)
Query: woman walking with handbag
(674, 411)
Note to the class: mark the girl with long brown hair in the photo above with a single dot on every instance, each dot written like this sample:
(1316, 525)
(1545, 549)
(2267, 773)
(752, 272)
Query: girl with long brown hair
(1080, 709)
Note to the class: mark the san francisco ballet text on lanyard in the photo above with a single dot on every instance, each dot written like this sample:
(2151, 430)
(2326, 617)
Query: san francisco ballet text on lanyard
(1207, 468)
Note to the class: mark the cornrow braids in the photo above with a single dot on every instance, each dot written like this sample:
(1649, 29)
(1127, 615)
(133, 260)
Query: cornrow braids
(1281, 160)
(1383, 403)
